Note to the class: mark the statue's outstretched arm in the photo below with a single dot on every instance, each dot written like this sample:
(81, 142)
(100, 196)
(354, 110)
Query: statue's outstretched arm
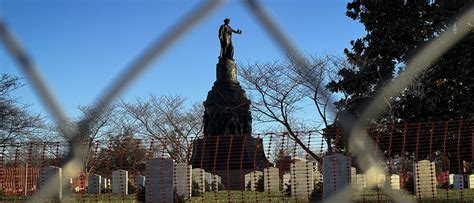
(238, 31)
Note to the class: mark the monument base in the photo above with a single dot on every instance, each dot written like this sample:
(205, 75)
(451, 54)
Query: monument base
(230, 157)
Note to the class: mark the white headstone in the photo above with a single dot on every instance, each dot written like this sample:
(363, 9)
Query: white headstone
(70, 184)
(353, 176)
(208, 177)
(336, 175)
(458, 182)
(252, 179)
(395, 182)
(380, 180)
(301, 179)
(94, 184)
(198, 177)
(360, 182)
(120, 182)
(104, 183)
(471, 181)
(140, 181)
(451, 179)
(51, 178)
(183, 180)
(217, 178)
(216, 181)
(271, 179)
(159, 180)
(425, 179)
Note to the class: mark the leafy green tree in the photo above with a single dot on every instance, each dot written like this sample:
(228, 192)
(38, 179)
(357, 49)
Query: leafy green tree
(443, 91)
(395, 31)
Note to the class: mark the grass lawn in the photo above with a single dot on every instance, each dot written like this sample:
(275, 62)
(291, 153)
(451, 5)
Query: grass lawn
(443, 195)
(77, 198)
(238, 196)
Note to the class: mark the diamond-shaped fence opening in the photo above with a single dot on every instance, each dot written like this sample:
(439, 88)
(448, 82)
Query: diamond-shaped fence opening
(270, 167)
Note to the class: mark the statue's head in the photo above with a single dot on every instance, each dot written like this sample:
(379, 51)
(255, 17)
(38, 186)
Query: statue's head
(226, 21)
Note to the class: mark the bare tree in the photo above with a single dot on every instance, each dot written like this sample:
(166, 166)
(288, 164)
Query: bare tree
(167, 120)
(16, 122)
(283, 147)
(278, 90)
(102, 126)
(99, 128)
(313, 77)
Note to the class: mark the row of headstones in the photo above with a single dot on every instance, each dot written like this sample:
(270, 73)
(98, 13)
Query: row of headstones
(158, 183)
(303, 176)
(96, 183)
(163, 173)
(51, 177)
(301, 179)
(163, 176)
(201, 177)
(360, 182)
(336, 172)
(425, 181)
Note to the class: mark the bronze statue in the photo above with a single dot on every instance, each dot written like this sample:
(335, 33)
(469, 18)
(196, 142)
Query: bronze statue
(225, 37)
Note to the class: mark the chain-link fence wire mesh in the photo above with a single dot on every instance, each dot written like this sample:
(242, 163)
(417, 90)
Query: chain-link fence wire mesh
(361, 146)
(303, 176)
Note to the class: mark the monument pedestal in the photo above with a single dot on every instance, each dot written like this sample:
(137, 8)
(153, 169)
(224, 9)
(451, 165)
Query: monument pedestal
(230, 157)
(227, 148)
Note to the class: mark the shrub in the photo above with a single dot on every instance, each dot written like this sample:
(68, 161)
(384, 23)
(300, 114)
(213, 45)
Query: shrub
(195, 190)
(260, 185)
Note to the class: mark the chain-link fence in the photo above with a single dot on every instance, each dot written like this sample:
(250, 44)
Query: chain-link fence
(298, 176)
(426, 160)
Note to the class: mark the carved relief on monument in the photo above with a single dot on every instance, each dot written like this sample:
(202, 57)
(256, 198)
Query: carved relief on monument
(226, 72)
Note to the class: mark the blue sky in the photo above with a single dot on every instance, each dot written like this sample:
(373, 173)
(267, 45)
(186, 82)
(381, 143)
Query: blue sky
(80, 47)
